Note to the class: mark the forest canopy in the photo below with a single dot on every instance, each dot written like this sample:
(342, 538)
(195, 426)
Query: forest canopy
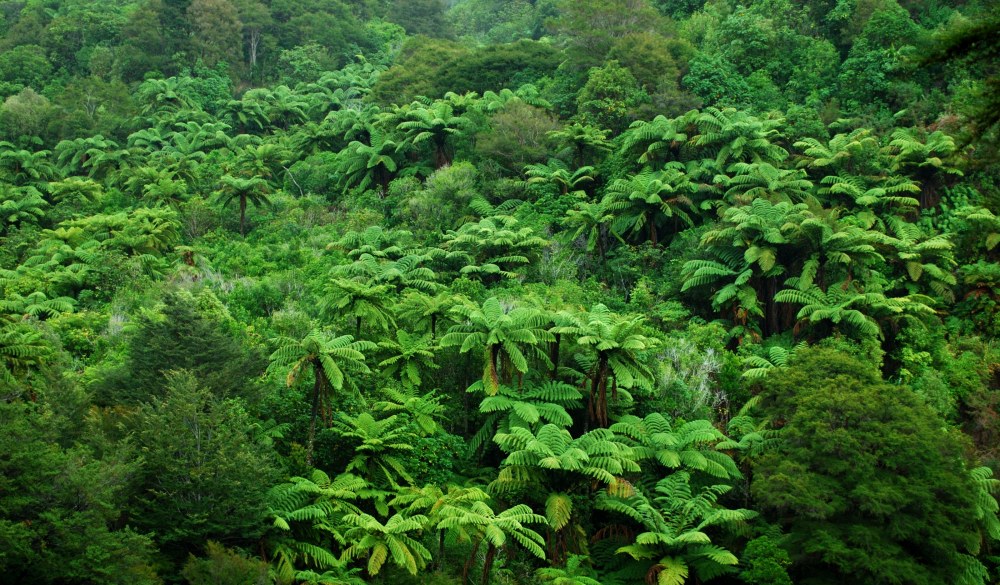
(499, 292)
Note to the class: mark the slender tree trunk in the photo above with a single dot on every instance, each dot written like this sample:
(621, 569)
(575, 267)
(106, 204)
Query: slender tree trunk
(494, 367)
(254, 42)
(317, 390)
(243, 215)
(599, 393)
(602, 403)
(441, 154)
(491, 554)
(554, 354)
(433, 326)
(357, 328)
(771, 314)
(468, 563)
(440, 558)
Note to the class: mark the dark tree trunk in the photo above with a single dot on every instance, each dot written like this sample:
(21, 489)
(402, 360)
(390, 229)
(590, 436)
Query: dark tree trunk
(243, 215)
(771, 326)
(440, 557)
(599, 393)
(468, 563)
(491, 554)
(317, 391)
(554, 354)
(494, 365)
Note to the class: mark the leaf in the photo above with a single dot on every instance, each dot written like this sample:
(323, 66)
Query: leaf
(558, 510)
(672, 571)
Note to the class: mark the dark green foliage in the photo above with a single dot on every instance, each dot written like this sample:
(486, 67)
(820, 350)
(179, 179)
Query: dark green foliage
(610, 98)
(715, 80)
(420, 17)
(222, 566)
(865, 482)
(766, 563)
(974, 43)
(203, 475)
(182, 335)
(63, 506)
(434, 67)
(725, 272)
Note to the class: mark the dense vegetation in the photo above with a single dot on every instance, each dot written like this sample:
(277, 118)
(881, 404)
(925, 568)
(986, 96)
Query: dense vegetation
(582, 292)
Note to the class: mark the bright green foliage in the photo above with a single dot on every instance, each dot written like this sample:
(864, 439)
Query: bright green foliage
(526, 407)
(22, 350)
(144, 231)
(653, 141)
(380, 443)
(368, 165)
(333, 361)
(380, 541)
(410, 271)
(591, 221)
(748, 250)
(613, 346)
(610, 97)
(483, 524)
(493, 247)
(36, 304)
(758, 366)
(20, 205)
(673, 544)
(423, 310)
(362, 302)
(434, 124)
(374, 241)
(732, 135)
(253, 190)
(307, 515)
(748, 181)
(508, 335)
(853, 311)
(580, 141)
(651, 200)
(574, 573)
(556, 173)
(457, 511)
(425, 410)
(691, 446)
(408, 355)
(598, 454)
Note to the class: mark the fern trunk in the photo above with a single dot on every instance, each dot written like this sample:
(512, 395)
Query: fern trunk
(317, 391)
(468, 563)
(599, 392)
(491, 554)
(554, 355)
(243, 215)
